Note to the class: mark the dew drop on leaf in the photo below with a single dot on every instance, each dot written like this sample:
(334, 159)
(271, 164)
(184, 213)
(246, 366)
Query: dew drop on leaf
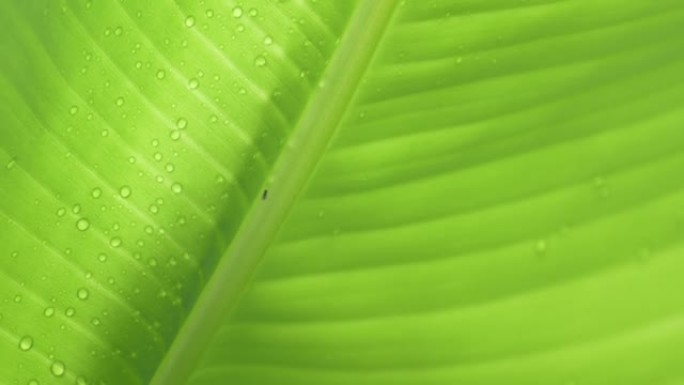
(82, 224)
(210, 13)
(102, 257)
(57, 368)
(170, 167)
(190, 21)
(161, 74)
(115, 242)
(49, 312)
(95, 321)
(26, 343)
(70, 311)
(158, 156)
(17, 298)
(76, 209)
(177, 188)
(125, 191)
(154, 209)
(73, 110)
(268, 40)
(120, 101)
(61, 211)
(181, 123)
(237, 12)
(33, 382)
(253, 12)
(193, 84)
(82, 294)
(260, 61)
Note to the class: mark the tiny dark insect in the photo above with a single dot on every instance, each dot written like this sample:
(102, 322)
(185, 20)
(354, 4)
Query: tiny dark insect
(264, 195)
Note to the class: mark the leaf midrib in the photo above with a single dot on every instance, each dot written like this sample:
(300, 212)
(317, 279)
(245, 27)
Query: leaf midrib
(289, 176)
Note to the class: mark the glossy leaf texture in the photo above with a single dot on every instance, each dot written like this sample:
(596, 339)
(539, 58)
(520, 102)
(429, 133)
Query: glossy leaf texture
(501, 201)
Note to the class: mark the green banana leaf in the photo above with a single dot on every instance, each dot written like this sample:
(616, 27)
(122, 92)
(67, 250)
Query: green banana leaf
(341, 192)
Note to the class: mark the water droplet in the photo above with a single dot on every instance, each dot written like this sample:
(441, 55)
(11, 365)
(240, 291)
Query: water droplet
(73, 110)
(190, 21)
(118, 31)
(61, 211)
(152, 262)
(95, 321)
(125, 191)
(260, 61)
(49, 312)
(175, 134)
(177, 188)
(26, 343)
(81, 381)
(76, 209)
(237, 12)
(154, 209)
(82, 224)
(170, 167)
(193, 84)
(181, 123)
(268, 40)
(102, 257)
(120, 101)
(210, 13)
(158, 156)
(115, 242)
(33, 382)
(17, 298)
(82, 294)
(253, 12)
(96, 193)
(70, 311)
(58, 368)
(161, 74)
